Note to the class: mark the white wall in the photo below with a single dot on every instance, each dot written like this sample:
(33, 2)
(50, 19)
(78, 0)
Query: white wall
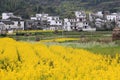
(66, 20)
(78, 14)
(54, 20)
(22, 24)
(49, 18)
(8, 26)
(55, 17)
(41, 16)
(99, 14)
(57, 23)
(15, 25)
(33, 18)
(2, 26)
(5, 16)
(67, 26)
(118, 17)
(79, 24)
(52, 28)
(38, 15)
(111, 17)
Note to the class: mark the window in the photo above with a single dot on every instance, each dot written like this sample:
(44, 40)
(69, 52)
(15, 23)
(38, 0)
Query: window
(53, 19)
(57, 19)
(9, 27)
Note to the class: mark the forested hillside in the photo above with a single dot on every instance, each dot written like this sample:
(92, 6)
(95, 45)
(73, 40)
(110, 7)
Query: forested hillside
(64, 8)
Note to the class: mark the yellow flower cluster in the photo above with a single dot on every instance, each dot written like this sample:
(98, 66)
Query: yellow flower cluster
(28, 61)
(60, 40)
(32, 31)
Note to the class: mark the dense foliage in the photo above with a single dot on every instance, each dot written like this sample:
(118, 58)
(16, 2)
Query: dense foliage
(28, 61)
(64, 8)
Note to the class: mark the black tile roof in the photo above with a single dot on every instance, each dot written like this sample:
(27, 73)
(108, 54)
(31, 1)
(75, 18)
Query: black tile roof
(8, 22)
(14, 19)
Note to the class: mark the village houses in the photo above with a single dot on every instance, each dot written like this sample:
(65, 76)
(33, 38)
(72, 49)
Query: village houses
(104, 20)
(50, 22)
(11, 22)
(42, 21)
(79, 23)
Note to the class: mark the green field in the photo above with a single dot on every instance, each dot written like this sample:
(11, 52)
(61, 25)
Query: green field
(98, 48)
(92, 36)
(99, 42)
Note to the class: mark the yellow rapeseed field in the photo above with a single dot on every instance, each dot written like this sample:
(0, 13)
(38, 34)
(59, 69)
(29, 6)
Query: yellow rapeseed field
(36, 61)
(60, 40)
(32, 31)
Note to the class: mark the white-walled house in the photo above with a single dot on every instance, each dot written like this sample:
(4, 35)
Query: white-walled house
(99, 14)
(112, 17)
(69, 24)
(7, 15)
(33, 18)
(80, 16)
(8, 24)
(118, 16)
(2, 26)
(79, 25)
(90, 17)
(40, 16)
(82, 26)
(51, 18)
(45, 17)
(13, 24)
(54, 22)
(18, 25)
(73, 24)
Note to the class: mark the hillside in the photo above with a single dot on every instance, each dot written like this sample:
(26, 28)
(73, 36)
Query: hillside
(64, 8)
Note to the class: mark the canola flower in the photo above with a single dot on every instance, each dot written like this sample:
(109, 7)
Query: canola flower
(27, 61)
(32, 31)
(60, 40)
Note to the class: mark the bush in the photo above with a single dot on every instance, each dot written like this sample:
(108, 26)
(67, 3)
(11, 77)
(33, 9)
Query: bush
(117, 42)
(20, 34)
(56, 31)
(3, 35)
(37, 38)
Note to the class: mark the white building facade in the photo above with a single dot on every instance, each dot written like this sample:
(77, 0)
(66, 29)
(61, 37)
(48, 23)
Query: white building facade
(53, 22)
(69, 24)
(111, 17)
(7, 15)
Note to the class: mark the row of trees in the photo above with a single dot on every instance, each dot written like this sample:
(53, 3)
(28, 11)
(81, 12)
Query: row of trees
(63, 8)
